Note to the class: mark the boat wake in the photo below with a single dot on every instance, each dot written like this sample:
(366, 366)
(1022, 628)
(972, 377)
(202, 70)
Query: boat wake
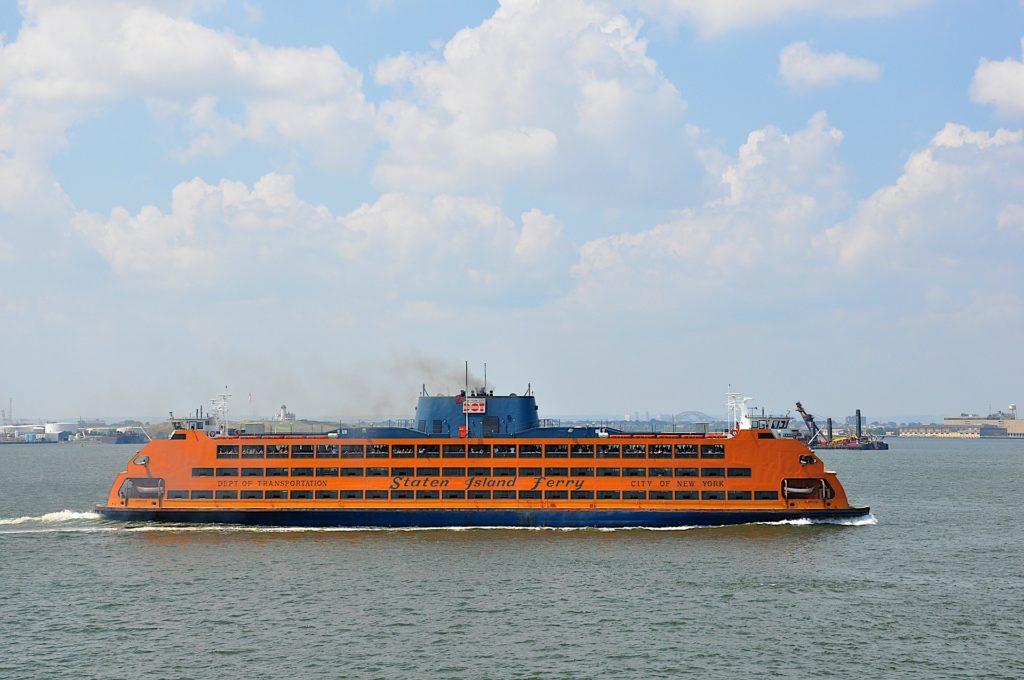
(50, 517)
(64, 521)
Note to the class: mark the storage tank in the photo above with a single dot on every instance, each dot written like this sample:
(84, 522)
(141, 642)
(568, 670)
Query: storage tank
(57, 428)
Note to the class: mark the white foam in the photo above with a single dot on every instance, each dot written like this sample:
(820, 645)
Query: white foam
(61, 516)
(859, 521)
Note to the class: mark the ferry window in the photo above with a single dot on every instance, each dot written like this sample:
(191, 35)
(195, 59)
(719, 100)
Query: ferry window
(327, 472)
(582, 495)
(661, 450)
(376, 495)
(227, 495)
(428, 451)
(479, 450)
(556, 472)
(504, 472)
(686, 450)
(582, 450)
(686, 495)
(453, 472)
(634, 472)
(401, 472)
(227, 472)
(453, 495)
(556, 450)
(740, 495)
(177, 495)
(712, 472)
(739, 472)
(326, 495)
(355, 450)
(401, 495)
(766, 495)
(712, 450)
(504, 450)
(634, 451)
(276, 495)
(582, 472)
(354, 495)
(530, 471)
(252, 472)
(479, 472)
(178, 435)
(428, 495)
(529, 495)
(252, 450)
(765, 435)
(608, 495)
(202, 495)
(504, 495)
(634, 495)
(349, 471)
(609, 472)
(300, 495)
(608, 451)
(454, 451)
(277, 450)
(659, 472)
(251, 495)
(277, 472)
(712, 495)
(302, 451)
(686, 472)
(302, 472)
(376, 472)
(376, 451)
(202, 472)
(529, 450)
(227, 451)
(401, 451)
(478, 495)
(556, 495)
(327, 450)
(660, 496)
(428, 472)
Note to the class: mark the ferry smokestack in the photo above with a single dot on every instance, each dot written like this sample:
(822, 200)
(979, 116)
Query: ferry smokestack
(858, 423)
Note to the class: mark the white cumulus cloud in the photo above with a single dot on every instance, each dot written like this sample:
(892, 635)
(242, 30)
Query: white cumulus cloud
(1001, 84)
(549, 95)
(955, 202)
(800, 65)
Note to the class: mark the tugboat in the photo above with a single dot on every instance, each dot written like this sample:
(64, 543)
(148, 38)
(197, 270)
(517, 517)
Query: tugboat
(479, 459)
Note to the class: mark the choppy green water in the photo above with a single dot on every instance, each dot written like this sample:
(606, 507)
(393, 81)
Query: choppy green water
(934, 589)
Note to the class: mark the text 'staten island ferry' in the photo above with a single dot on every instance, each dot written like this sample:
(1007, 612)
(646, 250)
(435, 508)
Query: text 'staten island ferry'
(479, 460)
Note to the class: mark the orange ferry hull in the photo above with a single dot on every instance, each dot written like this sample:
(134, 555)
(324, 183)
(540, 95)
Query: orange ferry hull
(431, 518)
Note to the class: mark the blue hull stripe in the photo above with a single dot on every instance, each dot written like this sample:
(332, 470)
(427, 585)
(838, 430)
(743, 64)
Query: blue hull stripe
(475, 518)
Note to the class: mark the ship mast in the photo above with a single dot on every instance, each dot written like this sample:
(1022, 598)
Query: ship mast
(219, 408)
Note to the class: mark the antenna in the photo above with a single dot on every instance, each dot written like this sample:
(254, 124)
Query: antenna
(219, 407)
(485, 377)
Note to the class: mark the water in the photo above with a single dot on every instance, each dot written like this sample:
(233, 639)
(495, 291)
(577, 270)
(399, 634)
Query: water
(932, 589)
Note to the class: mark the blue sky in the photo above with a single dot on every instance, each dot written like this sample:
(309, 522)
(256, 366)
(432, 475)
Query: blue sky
(629, 204)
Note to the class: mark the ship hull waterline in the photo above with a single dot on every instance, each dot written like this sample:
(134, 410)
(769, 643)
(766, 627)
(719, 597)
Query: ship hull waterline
(435, 518)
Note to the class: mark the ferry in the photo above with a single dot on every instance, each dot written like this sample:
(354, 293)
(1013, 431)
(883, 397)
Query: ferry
(476, 459)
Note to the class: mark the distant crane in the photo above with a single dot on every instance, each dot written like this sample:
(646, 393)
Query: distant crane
(812, 428)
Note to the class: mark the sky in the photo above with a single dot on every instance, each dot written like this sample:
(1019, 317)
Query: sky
(630, 206)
